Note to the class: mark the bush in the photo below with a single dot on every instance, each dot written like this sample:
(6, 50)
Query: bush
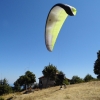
(5, 89)
(1, 98)
(66, 82)
(88, 78)
(57, 81)
(76, 79)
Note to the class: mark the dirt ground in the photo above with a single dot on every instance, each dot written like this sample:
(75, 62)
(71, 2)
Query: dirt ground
(82, 91)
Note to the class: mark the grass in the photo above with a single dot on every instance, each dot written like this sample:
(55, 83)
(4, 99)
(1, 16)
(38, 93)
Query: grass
(1, 98)
(82, 91)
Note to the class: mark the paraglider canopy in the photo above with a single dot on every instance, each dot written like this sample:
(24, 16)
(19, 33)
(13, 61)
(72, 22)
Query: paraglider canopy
(55, 19)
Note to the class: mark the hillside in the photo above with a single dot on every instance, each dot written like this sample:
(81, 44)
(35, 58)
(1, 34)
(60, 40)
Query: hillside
(83, 91)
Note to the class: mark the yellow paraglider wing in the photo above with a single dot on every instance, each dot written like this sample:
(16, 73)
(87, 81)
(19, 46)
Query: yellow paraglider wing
(55, 20)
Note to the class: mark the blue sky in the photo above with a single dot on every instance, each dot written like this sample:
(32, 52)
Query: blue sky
(22, 44)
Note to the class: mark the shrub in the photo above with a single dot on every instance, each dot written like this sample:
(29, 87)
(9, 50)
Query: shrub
(1, 98)
(76, 79)
(5, 89)
(88, 78)
(66, 82)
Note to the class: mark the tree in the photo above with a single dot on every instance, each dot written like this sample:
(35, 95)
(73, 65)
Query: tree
(17, 86)
(60, 79)
(25, 81)
(65, 81)
(60, 72)
(97, 65)
(4, 87)
(49, 72)
(88, 78)
(30, 77)
(76, 79)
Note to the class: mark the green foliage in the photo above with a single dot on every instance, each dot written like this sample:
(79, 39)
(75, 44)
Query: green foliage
(49, 72)
(25, 81)
(57, 81)
(65, 81)
(30, 77)
(1, 98)
(88, 78)
(95, 79)
(97, 65)
(98, 76)
(4, 87)
(60, 72)
(76, 79)
(60, 79)
(17, 86)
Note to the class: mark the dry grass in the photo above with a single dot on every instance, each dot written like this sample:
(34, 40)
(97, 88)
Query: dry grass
(83, 91)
